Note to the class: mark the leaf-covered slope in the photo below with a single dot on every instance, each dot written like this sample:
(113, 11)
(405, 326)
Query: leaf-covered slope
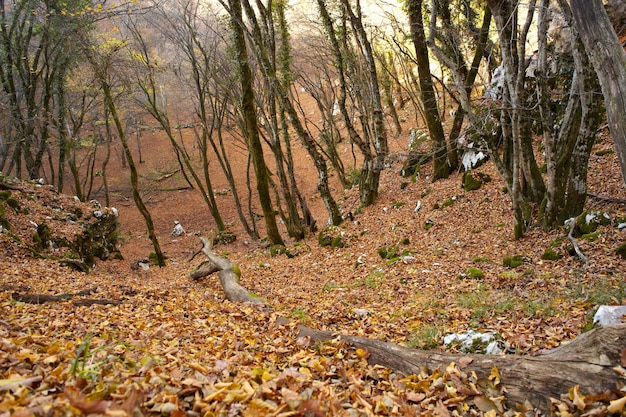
(174, 346)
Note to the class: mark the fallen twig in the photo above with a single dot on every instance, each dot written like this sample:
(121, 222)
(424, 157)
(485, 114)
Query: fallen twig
(570, 236)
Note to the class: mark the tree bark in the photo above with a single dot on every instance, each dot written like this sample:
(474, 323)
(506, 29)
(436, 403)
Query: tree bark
(427, 93)
(250, 119)
(587, 361)
(609, 61)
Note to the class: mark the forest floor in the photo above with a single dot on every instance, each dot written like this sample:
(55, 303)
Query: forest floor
(175, 346)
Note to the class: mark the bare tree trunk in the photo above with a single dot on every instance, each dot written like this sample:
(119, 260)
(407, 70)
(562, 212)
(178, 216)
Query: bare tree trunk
(609, 61)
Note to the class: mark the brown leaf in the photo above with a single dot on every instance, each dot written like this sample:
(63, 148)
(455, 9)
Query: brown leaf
(484, 404)
(623, 357)
(441, 410)
(415, 397)
(311, 407)
(78, 400)
(465, 361)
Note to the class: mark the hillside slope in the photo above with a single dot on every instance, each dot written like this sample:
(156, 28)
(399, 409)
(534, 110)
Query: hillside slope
(171, 345)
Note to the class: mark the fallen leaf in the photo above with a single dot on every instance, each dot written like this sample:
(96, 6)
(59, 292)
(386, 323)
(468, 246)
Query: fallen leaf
(617, 406)
(465, 361)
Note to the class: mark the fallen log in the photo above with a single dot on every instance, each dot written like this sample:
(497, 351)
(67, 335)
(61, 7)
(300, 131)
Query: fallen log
(43, 298)
(591, 361)
(228, 275)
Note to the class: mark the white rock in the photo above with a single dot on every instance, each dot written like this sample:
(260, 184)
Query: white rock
(608, 315)
(178, 229)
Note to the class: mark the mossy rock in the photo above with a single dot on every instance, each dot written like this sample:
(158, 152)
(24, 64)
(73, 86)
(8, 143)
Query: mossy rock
(413, 163)
(551, 255)
(470, 182)
(323, 239)
(513, 261)
(42, 236)
(13, 203)
(450, 201)
(276, 250)
(99, 238)
(224, 237)
(337, 242)
(475, 273)
(428, 224)
(331, 236)
(621, 250)
(591, 237)
(4, 222)
(603, 152)
(589, 221)
(480, 258)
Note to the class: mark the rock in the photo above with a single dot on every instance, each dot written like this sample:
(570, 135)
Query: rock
(178, 229)
(609, 315)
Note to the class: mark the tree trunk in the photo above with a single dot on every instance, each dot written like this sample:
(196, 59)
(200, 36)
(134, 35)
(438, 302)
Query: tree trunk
(609, 61)
(427, 93)
(134, 176)
(251, 126)
(587, 362)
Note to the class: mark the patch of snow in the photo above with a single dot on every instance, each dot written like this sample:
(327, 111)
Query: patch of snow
(418, 206)
(469, 339)
(608, 315)
(621, 226)
(589, 217)
(471, 158)
(98, 213)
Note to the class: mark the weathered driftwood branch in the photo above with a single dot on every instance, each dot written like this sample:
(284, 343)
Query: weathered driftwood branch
(588, 361)
(229, 277)
(570, 236)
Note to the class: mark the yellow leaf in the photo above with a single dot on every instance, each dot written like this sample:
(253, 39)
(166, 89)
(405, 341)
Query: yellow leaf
(198, 367)
(577, 398)
(617, 406)
(362, 353)
(495, 376)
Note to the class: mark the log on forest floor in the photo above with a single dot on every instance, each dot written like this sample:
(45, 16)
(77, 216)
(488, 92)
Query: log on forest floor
(228, 274)
(44, 298)
(592, 361)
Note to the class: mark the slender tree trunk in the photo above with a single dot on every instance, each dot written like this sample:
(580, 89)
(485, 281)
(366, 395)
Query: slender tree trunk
(429, 99)
(134, 177)
(250, 120)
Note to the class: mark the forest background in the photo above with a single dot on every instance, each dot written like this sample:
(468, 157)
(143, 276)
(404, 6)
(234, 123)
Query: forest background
(278, 128)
